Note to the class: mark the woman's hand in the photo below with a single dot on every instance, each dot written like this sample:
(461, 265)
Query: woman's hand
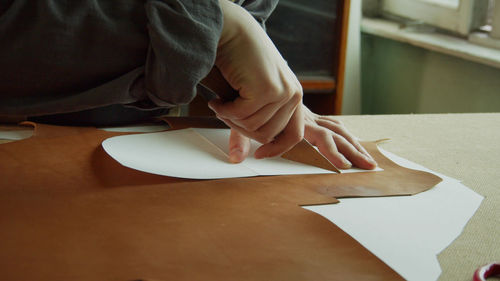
(335, 142)
(330, 136)
(269, 106)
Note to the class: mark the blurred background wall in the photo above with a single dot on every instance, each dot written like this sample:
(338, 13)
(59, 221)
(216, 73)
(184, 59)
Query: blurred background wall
(401, 78)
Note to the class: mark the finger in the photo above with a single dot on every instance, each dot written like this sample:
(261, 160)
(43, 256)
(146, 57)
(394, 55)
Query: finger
(278, 122)
(259, 118)
(288, 138)
(237, 128)
(340, 129)
(356, 157)
(256, 119)
(322, 138)
(239, 147)
(270, 130)
(274, 93)
(252, 135)
(240, 108)
(338, 150)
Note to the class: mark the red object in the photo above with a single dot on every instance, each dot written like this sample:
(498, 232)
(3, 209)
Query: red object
(485, 271)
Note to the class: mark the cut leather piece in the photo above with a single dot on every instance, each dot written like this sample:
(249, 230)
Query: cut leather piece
(308, 156)
(70, 212)
(304, 152)
(394, 180)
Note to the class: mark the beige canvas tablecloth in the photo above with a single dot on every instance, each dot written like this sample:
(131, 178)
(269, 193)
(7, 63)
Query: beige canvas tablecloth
(462, 146)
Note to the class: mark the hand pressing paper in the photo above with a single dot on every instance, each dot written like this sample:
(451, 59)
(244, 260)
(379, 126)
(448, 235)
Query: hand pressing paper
(198, 154)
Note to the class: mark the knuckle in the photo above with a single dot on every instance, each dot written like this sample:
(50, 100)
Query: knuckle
(296, 137)
(294, 92)
(288, 90)
(256, 135)
(250, 126)
(268, 139)
(324, 134)
(273, 89)
(299, 87)
(339, 123)
(296, 98)
(339, 139)
(285, 92)
(264, 138)
(334, 122)
(238, 115)
(254, 126)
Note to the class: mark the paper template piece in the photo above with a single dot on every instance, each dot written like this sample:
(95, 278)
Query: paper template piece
(197, 154)
(24, 134)
(15, 134)
(407, 232)
(137, 129)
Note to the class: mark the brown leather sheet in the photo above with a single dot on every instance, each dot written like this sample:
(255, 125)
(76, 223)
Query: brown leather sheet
(70, 212)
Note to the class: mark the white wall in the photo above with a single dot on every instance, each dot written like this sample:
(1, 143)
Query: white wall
(352, 85)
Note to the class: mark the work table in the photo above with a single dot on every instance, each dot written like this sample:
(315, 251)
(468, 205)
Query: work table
(462, 146)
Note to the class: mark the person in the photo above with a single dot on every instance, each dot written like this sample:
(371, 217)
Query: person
(97, 60)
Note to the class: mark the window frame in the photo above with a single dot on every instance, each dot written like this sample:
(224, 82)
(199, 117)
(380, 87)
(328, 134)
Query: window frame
(469, 14)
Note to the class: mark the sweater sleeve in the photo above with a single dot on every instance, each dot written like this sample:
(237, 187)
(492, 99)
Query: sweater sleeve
(183, 44)
(260, 9)
(73, 56)
(184, 37)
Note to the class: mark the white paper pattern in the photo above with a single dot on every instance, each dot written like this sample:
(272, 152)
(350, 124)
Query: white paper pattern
(198, 154)
(407, 232)
(15, 134)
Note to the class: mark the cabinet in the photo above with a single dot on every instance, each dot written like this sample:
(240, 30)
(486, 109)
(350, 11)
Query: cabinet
(311, 35)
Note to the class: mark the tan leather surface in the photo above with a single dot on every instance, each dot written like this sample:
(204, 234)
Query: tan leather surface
(70, 212)
(304, 152)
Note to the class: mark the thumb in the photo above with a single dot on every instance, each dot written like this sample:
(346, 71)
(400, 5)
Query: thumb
(239, 147)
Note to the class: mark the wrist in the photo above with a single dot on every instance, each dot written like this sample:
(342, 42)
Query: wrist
(236, 22)
(231, 25)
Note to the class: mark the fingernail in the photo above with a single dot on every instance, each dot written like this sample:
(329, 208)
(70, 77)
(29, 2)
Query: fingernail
(235, 155)
(370, 159)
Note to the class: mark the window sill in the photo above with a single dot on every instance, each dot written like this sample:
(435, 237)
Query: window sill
(433, 41)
